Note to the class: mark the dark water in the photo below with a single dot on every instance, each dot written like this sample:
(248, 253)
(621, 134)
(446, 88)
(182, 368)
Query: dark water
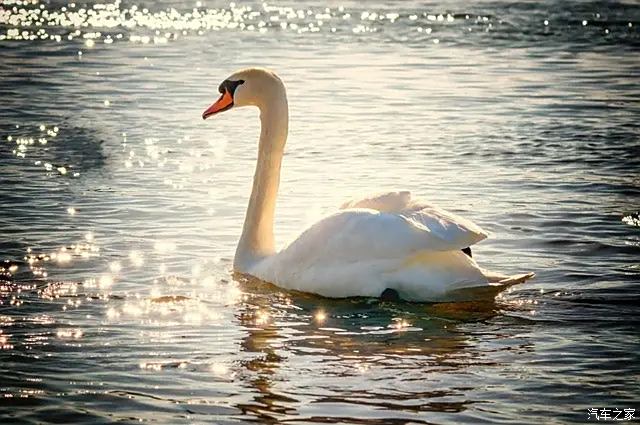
(120, 210)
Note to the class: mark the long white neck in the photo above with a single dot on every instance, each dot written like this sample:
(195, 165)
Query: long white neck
(257, 241)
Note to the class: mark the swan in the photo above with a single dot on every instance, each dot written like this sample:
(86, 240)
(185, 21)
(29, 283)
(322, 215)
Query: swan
(387, 244)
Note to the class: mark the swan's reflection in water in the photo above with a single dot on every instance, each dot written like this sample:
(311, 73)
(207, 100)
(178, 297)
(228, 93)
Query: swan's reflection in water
(311, 356)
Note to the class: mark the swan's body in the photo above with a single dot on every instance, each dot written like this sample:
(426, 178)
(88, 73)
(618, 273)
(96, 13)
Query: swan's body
(381, 242)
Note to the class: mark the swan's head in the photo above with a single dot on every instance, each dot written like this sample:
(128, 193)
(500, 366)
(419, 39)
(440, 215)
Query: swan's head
(248, 87)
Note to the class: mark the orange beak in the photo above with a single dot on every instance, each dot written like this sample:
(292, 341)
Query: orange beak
(222, 104)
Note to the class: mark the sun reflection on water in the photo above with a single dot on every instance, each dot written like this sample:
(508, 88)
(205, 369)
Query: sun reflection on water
(69, 333)
(104, 24)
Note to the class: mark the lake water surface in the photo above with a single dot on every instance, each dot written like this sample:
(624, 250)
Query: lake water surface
(120, 210)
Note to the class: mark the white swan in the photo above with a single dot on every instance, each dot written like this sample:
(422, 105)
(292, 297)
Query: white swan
(369, 247)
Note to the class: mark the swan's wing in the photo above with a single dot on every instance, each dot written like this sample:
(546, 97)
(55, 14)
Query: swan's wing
(459, 232)
(355, 251)
(456, 230)
(360, 252)
(337, 248)
(356, 235)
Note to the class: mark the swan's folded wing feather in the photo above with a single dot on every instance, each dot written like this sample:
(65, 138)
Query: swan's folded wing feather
(383, 202)
(459, 232)
(358, 252)
(456, 230)
(363, 234)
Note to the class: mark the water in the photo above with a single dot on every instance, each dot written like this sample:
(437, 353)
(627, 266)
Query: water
(121, 208)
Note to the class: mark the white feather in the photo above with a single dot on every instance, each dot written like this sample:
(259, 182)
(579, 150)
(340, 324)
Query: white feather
(413, 248)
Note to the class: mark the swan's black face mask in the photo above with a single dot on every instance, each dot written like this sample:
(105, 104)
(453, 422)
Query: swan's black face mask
(227, 89)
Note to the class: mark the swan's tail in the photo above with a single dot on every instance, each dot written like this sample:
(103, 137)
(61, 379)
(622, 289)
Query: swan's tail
(517, 278)
(504, 280)
(497, 283)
